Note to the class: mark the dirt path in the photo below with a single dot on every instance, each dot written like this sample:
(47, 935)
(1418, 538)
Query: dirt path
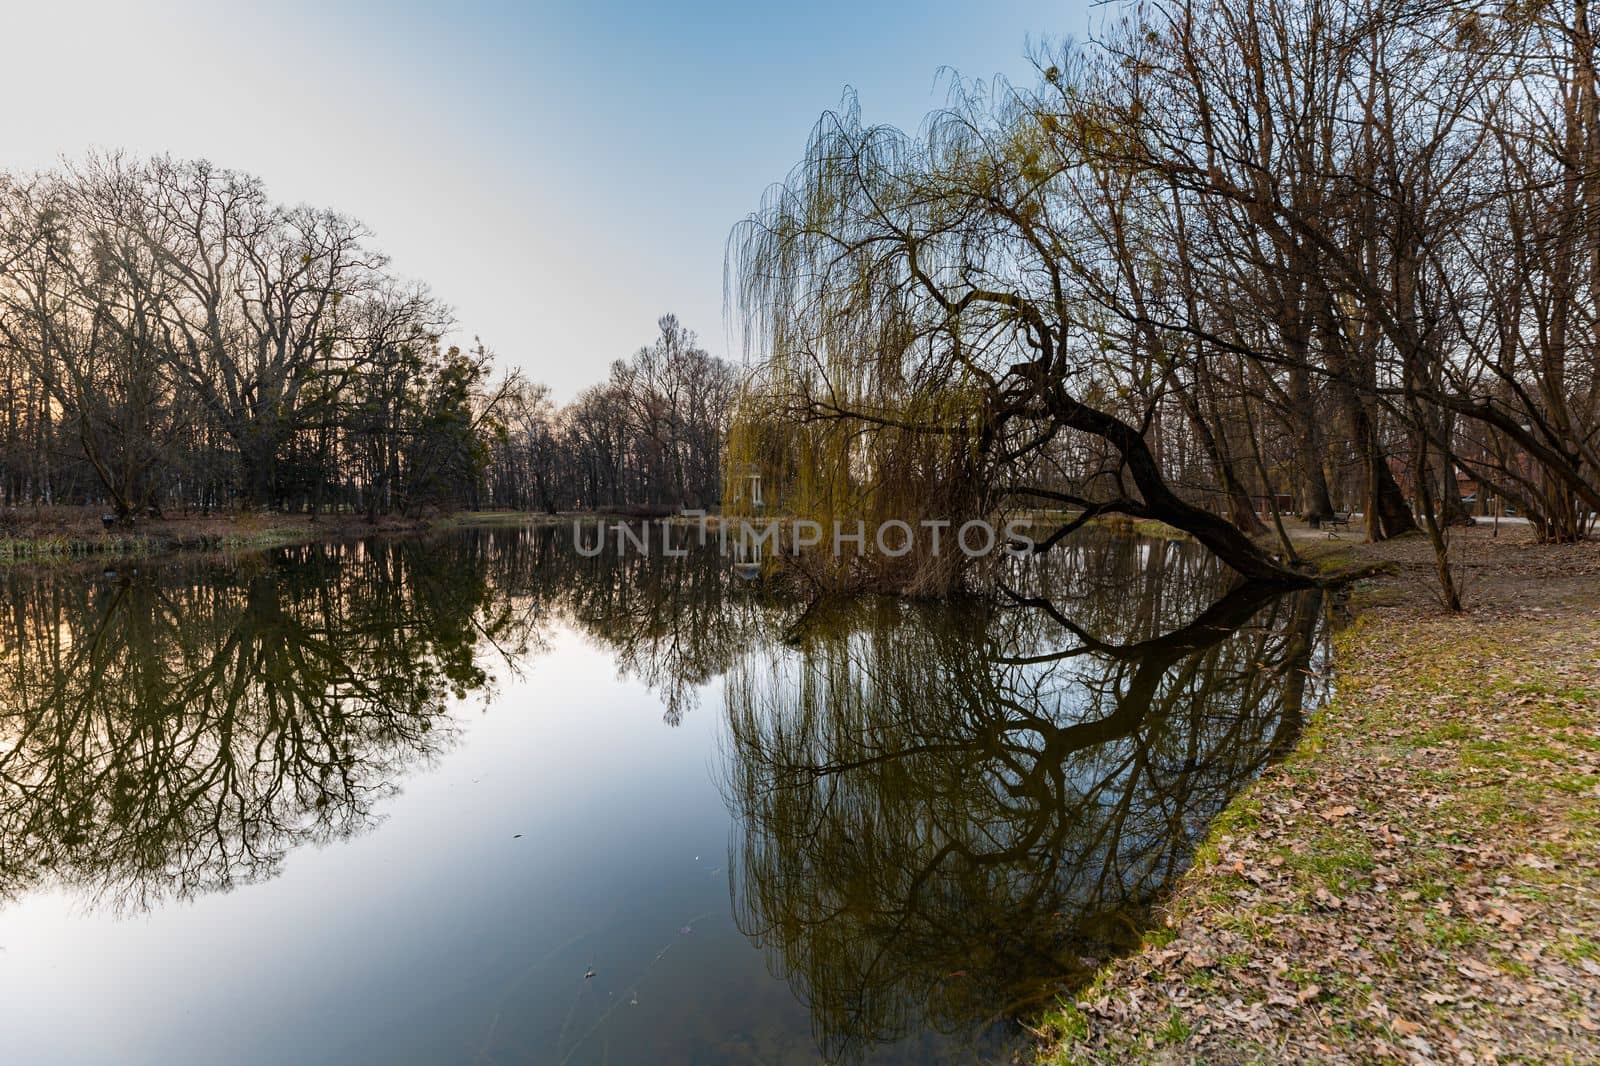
(1420, 880)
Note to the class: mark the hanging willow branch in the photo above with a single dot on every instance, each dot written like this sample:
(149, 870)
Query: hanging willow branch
(912, 310)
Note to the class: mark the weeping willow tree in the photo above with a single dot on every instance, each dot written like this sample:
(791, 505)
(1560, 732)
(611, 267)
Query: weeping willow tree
(888, 451)
(914, 307)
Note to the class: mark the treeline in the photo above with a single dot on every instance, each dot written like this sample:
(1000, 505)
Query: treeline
(648, 438)
(171, 339)
(1226, 259)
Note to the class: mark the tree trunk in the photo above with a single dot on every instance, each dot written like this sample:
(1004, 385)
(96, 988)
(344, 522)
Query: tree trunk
(1309, 446)
(1160, 502)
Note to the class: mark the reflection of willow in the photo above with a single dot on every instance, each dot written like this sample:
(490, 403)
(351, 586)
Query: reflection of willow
(673, 622)
(181, 734)
(1123, 588)
(676, 622)
(940, 816)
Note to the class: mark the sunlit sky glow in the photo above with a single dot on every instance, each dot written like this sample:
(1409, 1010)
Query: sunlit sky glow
(559, 173)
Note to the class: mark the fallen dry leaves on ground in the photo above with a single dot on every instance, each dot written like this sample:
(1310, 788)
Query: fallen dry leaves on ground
(1420, 880)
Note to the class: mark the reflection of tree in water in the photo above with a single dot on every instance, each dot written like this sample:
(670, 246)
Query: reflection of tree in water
(944, 809)
(672, 622)
(181, 730)
(175, 733)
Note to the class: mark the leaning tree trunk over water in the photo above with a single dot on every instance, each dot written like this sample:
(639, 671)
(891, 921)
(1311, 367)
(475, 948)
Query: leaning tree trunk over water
(927, 290)
(1222, 537)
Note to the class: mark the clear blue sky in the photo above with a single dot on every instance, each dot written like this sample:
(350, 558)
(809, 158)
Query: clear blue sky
(560, 173)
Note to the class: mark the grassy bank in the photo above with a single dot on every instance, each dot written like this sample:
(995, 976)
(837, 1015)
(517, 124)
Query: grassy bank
(52, 534)
(58, 534)
(1420, 879)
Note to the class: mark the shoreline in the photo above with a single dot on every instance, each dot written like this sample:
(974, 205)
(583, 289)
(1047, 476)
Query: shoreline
(65, 535)
(54, 535)
(1419, 878)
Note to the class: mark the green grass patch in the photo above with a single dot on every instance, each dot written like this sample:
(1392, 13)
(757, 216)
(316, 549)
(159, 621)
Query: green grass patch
(53, 548)
(1175, 1030)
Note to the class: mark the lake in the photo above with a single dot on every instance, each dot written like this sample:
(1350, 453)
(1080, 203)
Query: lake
(476, 797)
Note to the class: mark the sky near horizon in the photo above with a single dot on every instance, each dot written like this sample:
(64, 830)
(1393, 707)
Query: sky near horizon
(559, 173)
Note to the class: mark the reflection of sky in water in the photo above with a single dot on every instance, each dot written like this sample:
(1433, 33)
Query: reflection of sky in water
(566, 828)
(439, 933)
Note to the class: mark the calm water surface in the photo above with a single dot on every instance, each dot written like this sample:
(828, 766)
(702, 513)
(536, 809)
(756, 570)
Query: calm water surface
(395, 801)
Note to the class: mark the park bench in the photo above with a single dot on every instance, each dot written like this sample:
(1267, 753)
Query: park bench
(1336, 521)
